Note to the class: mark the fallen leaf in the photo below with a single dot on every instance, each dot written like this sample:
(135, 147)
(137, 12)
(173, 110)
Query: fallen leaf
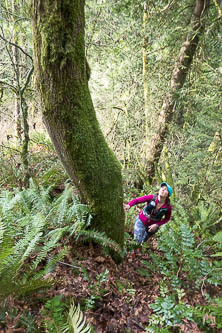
(100, 259)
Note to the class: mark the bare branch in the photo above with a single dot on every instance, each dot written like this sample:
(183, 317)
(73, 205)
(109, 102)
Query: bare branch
(16, 45)
(9, 85)
(27, 79)
(167, 6)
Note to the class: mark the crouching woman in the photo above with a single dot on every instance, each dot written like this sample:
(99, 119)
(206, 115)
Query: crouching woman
(156, 212)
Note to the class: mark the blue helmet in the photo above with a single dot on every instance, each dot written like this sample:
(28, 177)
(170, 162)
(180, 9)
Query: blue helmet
(170, 190)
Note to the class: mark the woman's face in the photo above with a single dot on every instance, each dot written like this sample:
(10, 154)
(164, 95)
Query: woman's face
(163, 192)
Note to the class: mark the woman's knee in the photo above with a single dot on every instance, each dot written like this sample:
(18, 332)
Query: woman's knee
(140, 233)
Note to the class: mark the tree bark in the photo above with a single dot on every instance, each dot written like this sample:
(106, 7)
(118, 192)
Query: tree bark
(179, 75)
(68, 113)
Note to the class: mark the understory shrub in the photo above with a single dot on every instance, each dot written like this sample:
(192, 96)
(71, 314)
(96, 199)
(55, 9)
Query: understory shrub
(44, 163)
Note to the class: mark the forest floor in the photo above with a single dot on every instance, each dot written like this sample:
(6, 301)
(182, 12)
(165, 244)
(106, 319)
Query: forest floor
(117, 298)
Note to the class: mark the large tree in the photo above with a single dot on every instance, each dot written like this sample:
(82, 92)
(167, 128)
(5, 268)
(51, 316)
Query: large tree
(68, 113)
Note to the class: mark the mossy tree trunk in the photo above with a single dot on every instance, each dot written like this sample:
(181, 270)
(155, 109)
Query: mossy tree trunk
(68, 113)
(168, 112)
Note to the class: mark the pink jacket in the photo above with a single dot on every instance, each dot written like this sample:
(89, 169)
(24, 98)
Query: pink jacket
(146, 221)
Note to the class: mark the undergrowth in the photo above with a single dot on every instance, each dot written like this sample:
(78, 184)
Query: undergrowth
(188, 264)
(33, 225)
(36, 223)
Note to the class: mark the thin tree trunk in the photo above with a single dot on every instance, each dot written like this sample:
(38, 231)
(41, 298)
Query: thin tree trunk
(146, 90)
(25, 142)
(26, 138)
(68, 112)
(16, 59)
(179, 74)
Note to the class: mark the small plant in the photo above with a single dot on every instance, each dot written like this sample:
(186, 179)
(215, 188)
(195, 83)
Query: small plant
(130, 244)
(180, 261)
(59, 317)
(97, 289)
(168, 313)
(54, 314)
(209, 317)
(126, 287)
(19, 320)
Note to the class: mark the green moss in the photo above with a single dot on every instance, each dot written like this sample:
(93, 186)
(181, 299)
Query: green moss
(57, 23)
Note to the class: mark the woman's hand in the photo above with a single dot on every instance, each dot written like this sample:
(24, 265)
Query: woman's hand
(153, 227)
(126, 207)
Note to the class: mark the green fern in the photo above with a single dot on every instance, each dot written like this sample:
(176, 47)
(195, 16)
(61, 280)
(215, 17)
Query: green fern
(52, 243)
(22, 287)
(187, 237)
(168, 312)
(63, 204)
(33, 226)
(5, 243)
(39, 197)
(212, 313)
(205, 216)
(52, 261)
(181, 259)
(41, 139)
(67, 210)
(100, 238)
(19, 239)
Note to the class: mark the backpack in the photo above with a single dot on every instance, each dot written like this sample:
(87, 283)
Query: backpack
(150, 212)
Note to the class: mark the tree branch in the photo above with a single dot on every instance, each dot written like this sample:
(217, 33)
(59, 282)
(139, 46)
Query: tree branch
(27, 79)
(16, 45)
(9, 85)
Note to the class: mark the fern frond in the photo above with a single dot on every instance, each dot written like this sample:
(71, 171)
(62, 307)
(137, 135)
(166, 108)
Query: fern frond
(80, 211)
(39, 197)
(22, 287)
(100, 238)
(2, 230)
(77, 321)
(52, 261)
(66, 209)
(6, 200)
(26, 219)
(6, 245)
(187, 237)
(60, 207)
(63, 205)
(33, 233)
(52, 243)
